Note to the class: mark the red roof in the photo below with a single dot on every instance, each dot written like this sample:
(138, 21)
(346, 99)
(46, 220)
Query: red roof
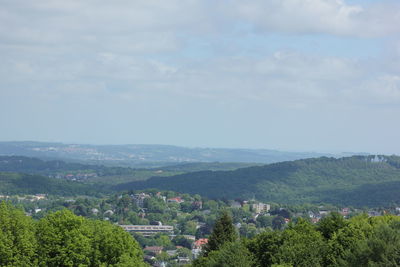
(201, 242)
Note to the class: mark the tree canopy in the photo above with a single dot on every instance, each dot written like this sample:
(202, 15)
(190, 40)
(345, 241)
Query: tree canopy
(63, 239)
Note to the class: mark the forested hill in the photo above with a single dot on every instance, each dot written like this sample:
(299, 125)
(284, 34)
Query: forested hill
(24, 164)
(17, 183)
(356, 180)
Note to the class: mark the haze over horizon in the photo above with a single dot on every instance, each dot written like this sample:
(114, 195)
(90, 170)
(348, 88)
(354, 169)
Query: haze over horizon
(289, 75)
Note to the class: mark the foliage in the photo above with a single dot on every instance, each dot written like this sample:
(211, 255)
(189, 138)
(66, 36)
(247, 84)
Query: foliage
(17, 239)
(63, 239)
(331, 224)
(223, 231)
(230, 254)
(16, 183)
(360, 241)
(357, 181)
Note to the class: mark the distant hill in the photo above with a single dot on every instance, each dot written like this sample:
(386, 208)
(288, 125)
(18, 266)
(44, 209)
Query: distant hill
(147, 155)
(17, 183)
(105, 174)
(356, 180)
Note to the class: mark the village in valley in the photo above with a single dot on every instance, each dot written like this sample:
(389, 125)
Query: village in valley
(172, 227)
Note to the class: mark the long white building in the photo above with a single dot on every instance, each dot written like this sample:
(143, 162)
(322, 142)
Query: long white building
(149, 230)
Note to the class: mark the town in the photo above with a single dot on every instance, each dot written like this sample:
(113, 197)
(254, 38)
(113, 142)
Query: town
(173, 227)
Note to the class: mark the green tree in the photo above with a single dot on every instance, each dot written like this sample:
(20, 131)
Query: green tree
(230, 254)
(265, 247)
(264, 221)
(69, 240)
(223, 231)
(65, 240)
(302, 245)
(17, 238)
(331, 224)
(113, 246)
(278, 222)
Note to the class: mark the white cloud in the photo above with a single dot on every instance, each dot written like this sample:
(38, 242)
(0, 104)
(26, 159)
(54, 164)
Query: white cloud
(334, 17)
(148, 59)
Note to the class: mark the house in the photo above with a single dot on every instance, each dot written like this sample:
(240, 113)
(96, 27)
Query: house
(138, 199)
(190, 237)
(183, 260)
(160, 196)
(197, 205)
(261, 207)
(345, 211)
(236, 204)
(108, 213)
(154, 249)
(175, 200)
(198, 244)
(323, 212)
(315, 219)
(39, 196)
(171, 252)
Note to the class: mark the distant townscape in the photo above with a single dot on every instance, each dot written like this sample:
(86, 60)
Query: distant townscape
(196, 213)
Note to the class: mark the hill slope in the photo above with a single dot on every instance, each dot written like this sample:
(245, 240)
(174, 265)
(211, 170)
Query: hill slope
(17, 183)
(357, 180)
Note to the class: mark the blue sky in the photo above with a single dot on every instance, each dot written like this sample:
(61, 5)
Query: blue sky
(303, 75)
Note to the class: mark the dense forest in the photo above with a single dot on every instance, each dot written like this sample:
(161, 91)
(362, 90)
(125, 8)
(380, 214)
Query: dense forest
(19, 183)
(356, 180)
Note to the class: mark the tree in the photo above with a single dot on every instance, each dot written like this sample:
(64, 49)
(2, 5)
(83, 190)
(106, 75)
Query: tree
(264, 221)
(223, 231)
(381, 248)
(113, 246)
(248, 230)
(69, 240)
(331, 224)
(17, 238)
(230, 254)
(302, 245)
(278, 222)
(180, 240)
(65, 240)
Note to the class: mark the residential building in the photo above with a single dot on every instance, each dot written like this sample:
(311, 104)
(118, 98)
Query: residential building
(138, 199)
(175, 200)
(260, 207)
(154, 249)
(149, 230)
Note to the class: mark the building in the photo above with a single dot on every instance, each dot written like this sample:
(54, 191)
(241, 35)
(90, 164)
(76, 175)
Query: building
(236, 205)
(261, 207)
(149, 230)
(198, 244)
(138, 199)
(154, 249)
(175, 200)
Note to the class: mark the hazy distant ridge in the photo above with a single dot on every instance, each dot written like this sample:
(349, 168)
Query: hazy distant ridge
(142, 154)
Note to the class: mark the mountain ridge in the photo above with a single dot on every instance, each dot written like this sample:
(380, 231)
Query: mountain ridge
(149, 155)
(315, 180)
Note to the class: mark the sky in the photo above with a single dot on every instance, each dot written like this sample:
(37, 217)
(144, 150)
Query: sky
(294, 75)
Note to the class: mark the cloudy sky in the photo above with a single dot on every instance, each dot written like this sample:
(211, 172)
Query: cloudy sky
(301, 75)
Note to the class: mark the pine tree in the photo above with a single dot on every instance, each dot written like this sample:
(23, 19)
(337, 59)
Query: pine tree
(223, 232)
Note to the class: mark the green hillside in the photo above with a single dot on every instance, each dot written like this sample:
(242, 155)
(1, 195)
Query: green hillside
(17, 183)
(357, 180)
